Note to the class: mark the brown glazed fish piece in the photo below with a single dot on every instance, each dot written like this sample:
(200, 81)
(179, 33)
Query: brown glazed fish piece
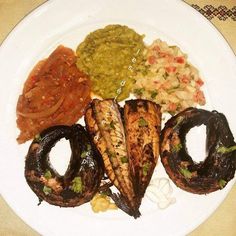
(82, 178)
(104, 123)
(100, 143)
(219, 165)
(142, 128)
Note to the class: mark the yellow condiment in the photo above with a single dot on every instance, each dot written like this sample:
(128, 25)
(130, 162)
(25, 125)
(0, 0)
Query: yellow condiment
(101, 203)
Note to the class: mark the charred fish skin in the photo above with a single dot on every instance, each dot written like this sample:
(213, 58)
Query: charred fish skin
(216, 170)
(104, 122)
(142, 127)
(82, 178)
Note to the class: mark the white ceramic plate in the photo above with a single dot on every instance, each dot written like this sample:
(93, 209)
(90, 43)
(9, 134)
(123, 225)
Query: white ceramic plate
(68, 22)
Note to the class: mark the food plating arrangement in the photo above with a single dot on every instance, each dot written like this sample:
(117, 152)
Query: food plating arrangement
(125, 91)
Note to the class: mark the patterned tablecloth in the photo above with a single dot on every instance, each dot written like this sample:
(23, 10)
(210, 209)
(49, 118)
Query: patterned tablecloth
(222, 13)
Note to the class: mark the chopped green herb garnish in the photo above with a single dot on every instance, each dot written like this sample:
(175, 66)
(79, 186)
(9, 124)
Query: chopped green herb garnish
(38, 137)
(146, 168)
(223, 149)
(222, 183)
(83, 154)
(186, 173)
(112, 125)
(142, 122)
(47, 190)
(47, 174)
(124, 159)
(139, 92)
(77, 185)
(176, 148)
(153, 94)
(86, 152)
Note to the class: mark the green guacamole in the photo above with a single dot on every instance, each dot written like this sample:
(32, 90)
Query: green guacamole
(112, 56)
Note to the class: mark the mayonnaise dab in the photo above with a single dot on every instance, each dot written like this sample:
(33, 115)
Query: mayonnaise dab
(159, 191)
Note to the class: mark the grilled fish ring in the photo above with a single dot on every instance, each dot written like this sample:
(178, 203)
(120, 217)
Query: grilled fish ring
(82, 178)
(219, 166)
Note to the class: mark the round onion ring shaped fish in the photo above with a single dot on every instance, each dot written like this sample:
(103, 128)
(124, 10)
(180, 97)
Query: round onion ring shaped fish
(219, 166)
(84, 173)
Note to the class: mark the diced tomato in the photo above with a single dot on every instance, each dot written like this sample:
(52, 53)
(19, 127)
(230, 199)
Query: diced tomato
(170, 69)
(172, 107)
(185, 79)
(199, 97)
(179, 60)
(152, 60)
(199, 82)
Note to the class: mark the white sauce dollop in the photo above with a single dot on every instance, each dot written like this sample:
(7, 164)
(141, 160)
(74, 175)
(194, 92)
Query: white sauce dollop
(159, 191)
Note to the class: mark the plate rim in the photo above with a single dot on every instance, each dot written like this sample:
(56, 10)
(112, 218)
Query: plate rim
(44, 5)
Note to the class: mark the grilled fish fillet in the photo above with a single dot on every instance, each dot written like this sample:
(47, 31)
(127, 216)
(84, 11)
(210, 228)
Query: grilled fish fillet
(103, 120)
(142, 128)
(128, 142)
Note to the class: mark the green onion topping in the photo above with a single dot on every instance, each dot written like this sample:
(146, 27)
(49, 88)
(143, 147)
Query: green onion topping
(86, 152)
(176, 148)
(186, 173)
(47, 174)
(47, 190)
(142, 122)
(146, 168)
(223, 149)
(124, 159)
(77, 185)
(83, 154)
(222, 183)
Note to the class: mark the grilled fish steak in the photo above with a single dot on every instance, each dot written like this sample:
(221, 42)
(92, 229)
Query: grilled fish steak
(103, 121)
(127, 164)
(142, 128)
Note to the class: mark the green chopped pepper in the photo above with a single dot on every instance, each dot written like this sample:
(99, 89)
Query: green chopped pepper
(47, 190)
(142, 122)
(223, 149)
(186, 173)
(124, 159)
(176, 148)
(47, 174)
(77, 185)
(222, 183)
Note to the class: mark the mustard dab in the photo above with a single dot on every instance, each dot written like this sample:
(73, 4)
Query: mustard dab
(102, 203)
